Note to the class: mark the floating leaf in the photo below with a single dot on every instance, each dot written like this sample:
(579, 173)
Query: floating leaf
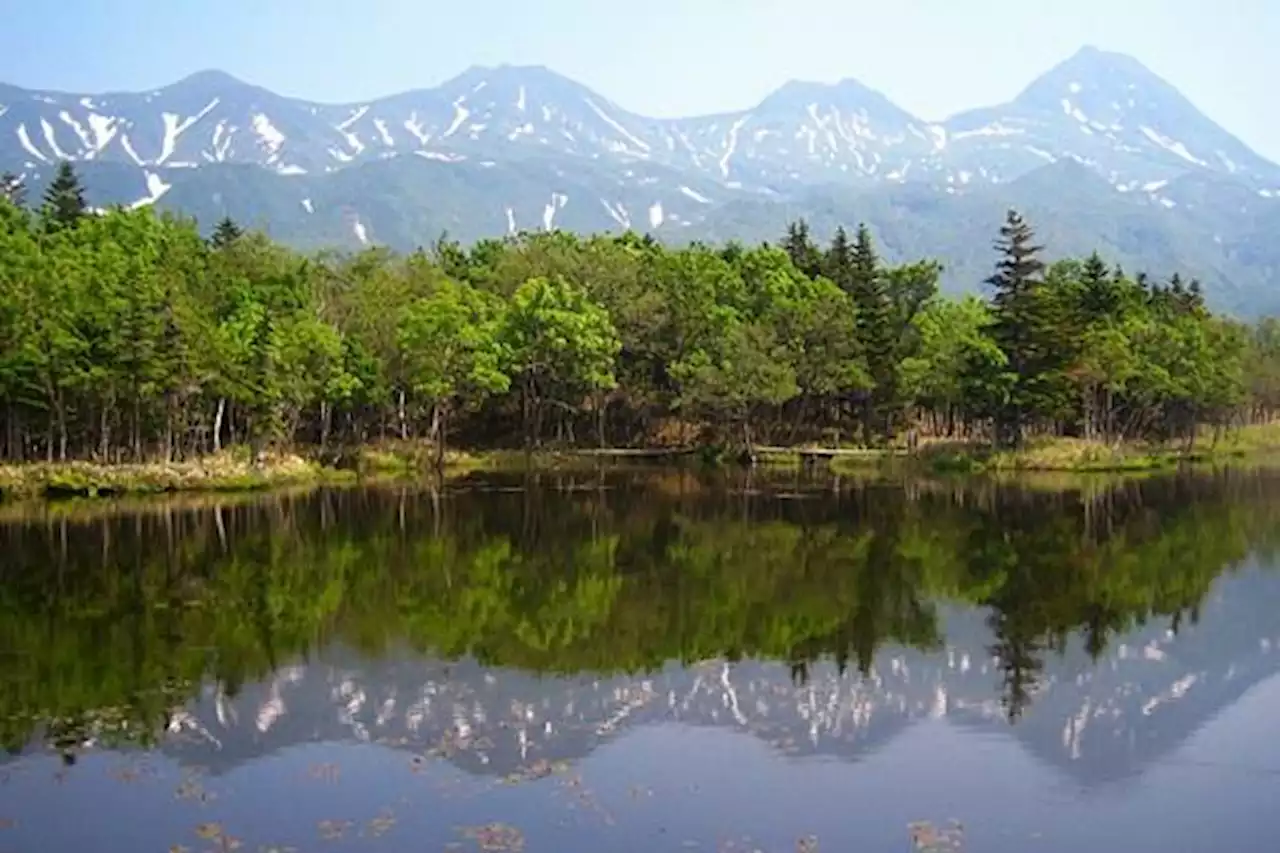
(209, 831)
(928, 838)
(332, 830)
(495, 837)
(381, 824)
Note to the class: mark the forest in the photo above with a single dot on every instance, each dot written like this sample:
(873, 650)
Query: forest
(126, 335)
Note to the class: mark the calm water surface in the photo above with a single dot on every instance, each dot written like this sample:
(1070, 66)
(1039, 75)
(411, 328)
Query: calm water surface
(647, 661)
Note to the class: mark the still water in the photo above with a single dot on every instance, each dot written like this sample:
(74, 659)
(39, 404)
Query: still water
(647, 661)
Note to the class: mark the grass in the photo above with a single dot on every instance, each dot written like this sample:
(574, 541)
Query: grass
(229, 471)
(1081, 456)
(233, 470)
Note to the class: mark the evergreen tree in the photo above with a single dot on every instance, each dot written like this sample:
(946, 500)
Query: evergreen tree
(1017, 310)
(225, 233)
(64, 203)
(837, 261)
(1100, 291)
(13, 189)
(799, 246)
(868, 289)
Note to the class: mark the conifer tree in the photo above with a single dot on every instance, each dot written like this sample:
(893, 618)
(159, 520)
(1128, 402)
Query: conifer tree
(837, 262)
(876, 328)
(1017, 309)
(1100, 290)
(64, 203)
(225, 233)
(799, 246)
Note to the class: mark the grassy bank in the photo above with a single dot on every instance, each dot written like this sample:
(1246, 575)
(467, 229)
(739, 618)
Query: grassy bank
(1252, 443)
(232, 471)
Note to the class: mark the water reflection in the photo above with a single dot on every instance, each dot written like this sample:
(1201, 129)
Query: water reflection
(511, 627)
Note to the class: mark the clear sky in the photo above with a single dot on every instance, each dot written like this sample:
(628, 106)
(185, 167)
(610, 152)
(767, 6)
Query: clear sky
(657, 57)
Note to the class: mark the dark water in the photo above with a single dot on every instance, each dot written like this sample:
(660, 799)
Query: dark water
(647, 661)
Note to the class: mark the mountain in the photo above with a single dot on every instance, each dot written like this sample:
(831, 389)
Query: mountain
(1099, 150)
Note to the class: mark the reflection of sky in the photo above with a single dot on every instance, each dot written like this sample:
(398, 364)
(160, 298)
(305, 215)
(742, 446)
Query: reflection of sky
(1195, 771)
(659, 786)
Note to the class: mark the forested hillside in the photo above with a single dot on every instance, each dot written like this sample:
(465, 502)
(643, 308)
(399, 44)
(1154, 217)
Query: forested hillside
(124, 335)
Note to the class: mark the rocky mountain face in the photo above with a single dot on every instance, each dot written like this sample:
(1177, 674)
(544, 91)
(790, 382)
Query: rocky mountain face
(499, 150)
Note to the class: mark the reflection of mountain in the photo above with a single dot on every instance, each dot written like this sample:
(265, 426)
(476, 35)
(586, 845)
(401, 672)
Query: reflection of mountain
(1094, 721)
(503, 627)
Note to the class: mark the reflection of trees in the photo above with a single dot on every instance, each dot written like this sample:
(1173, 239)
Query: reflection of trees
(137, 611)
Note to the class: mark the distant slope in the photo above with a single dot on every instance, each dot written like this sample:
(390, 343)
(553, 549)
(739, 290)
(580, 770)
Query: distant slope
(1098, 151)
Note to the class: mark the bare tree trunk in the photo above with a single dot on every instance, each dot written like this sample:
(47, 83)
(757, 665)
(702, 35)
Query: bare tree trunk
(442, 431)
(324, 425)
(217, 424)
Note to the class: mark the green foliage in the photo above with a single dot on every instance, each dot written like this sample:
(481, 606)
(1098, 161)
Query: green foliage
(64, 202)
(124, 337)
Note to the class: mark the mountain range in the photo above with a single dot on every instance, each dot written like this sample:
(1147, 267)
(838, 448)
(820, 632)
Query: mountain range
(1098, 152)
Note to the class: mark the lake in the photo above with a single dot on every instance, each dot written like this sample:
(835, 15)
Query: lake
(647, 660)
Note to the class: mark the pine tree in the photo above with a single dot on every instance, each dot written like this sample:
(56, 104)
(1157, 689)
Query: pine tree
(799, 246)
(837, 262)
(876, 328)
(225, 233)
(13, 188)
(64, 203)
(1099, 298)
(1018, 312)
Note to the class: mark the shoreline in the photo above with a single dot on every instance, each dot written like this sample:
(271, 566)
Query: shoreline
(231, 471)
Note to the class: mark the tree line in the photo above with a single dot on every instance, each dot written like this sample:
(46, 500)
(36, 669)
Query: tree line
(126, 335)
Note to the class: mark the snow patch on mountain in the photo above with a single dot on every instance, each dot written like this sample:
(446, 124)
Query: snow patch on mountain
(51, 137)
(557, 203)
(460, 115)
(731, 145)
(156, 187)
(174, 126)
(353, 118)
(613, 123)
(269, 136)
(86, 143)
(1171, 145)
(617, 213)
(25, 138)
(696, 196)
(656, 215)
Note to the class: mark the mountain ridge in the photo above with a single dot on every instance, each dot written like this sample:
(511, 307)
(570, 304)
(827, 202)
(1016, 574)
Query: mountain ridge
(518, 147)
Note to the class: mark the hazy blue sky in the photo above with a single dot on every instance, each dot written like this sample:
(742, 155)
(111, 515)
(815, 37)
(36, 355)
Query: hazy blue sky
(660, 57)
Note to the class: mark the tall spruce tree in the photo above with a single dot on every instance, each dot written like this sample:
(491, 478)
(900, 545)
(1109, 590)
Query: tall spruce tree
(867, 288)
(804, 253)
(1018, 313)
(64, 203)
(225, 233)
